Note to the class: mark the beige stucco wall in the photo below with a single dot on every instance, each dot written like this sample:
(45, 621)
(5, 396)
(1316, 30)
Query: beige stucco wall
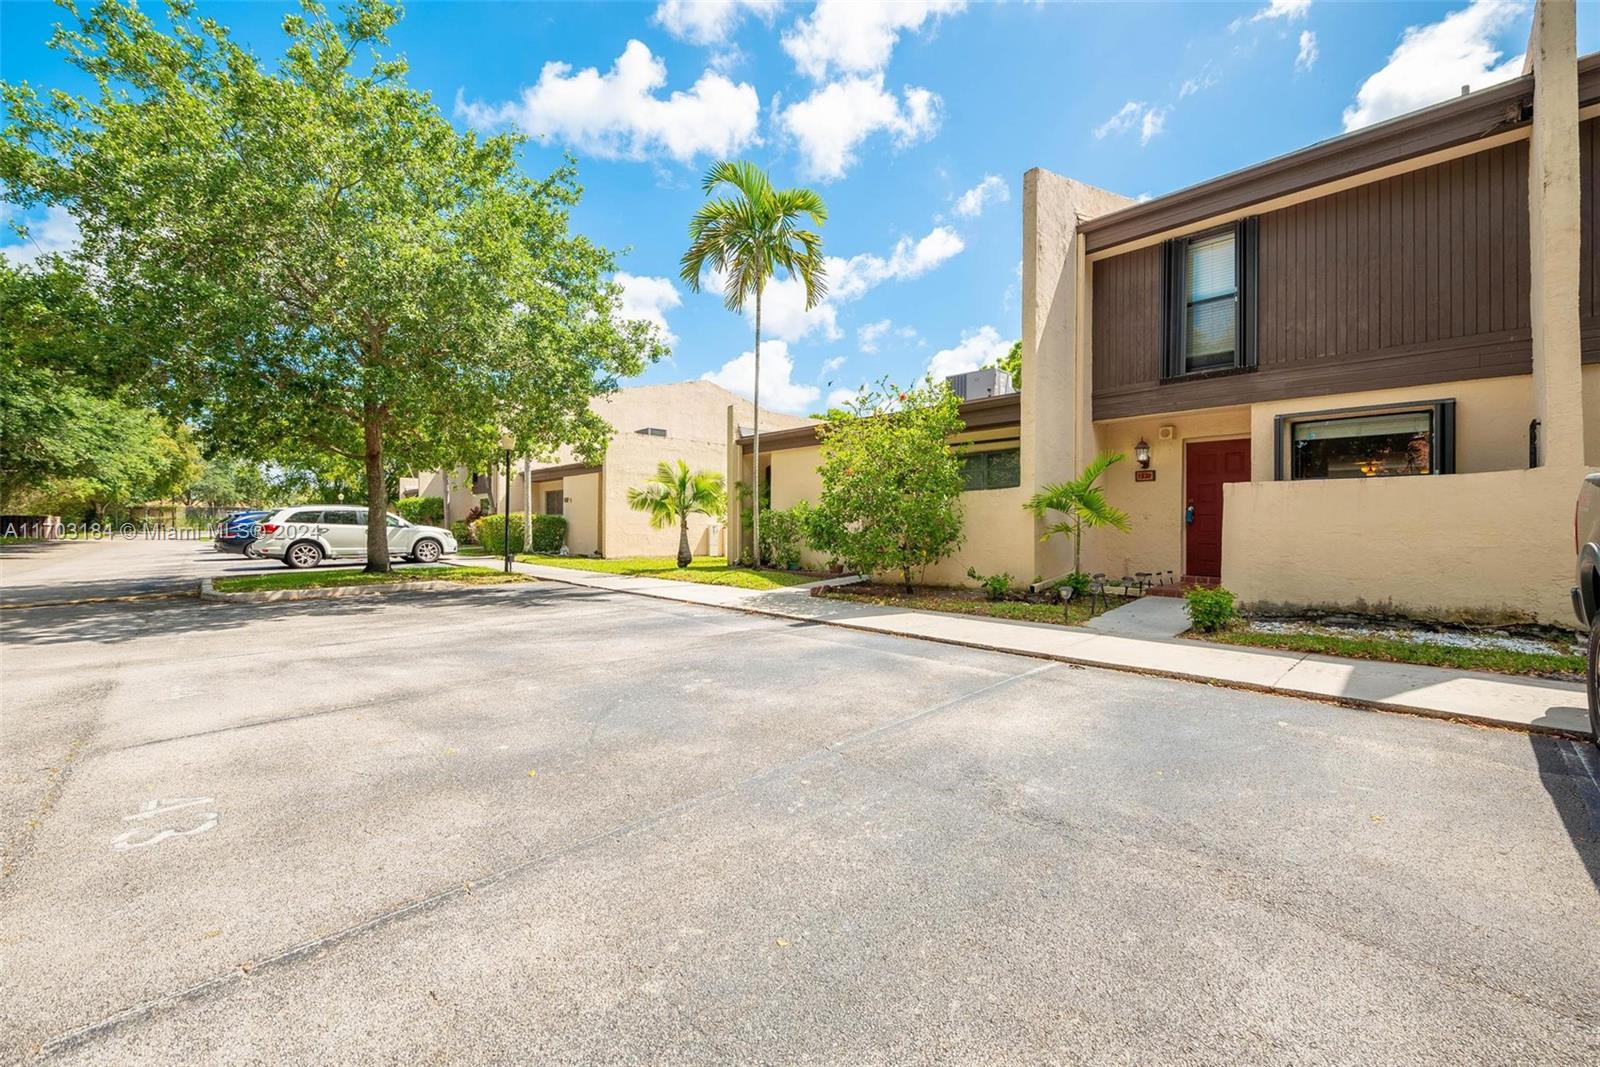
(1492, 417)
(630, 463)
(1056, 431)
(1591, 414)
(583, 493)
(1492, 546)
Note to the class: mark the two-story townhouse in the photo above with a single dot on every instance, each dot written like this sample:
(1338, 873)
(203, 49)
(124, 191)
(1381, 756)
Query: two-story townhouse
(1363, 374)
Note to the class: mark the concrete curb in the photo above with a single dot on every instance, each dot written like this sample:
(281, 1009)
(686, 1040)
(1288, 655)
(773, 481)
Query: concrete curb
(272, 596)
(1359, 703)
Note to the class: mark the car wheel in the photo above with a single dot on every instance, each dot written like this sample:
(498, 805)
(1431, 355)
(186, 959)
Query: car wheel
(1594, 679)
(427, 550)
(303, 554)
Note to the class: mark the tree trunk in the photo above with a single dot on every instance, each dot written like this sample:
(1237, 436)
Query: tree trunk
(527, 503)
(377, 494)
(685, 557)
(755, 403)
(905, 578)
(1077, 551)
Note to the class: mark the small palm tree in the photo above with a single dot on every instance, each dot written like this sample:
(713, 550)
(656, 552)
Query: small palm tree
(748, 238)
(673, 495)
(1083, 503)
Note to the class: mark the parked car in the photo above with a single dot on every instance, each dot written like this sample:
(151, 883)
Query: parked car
(236, 532)
(305, 536)
(1586, 594)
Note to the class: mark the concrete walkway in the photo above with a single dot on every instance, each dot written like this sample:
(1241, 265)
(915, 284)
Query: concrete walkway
(1154, 617)
(1135, 643)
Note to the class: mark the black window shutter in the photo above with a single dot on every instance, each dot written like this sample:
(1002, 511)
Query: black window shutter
(1246, 245)
(1172, 308)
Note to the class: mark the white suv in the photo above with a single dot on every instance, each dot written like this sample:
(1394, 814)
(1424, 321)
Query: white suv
(305, 536)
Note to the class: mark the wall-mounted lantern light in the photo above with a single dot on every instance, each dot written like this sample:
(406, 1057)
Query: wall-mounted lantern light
(1141, 452)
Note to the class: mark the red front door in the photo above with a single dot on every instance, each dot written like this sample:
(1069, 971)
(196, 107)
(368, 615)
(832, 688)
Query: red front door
(1207, 465)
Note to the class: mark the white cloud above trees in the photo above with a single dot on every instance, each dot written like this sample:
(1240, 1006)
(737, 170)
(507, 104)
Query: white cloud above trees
(977, 348)
(858, 36)
(779, 390)
(830, 124)
(710, 22)
(622, 113)
(648, 299)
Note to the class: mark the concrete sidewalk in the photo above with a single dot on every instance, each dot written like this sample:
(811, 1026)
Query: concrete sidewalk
(1492, 699)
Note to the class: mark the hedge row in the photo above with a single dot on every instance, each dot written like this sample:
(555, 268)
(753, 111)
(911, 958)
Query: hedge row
(422, 510)
(549, 533)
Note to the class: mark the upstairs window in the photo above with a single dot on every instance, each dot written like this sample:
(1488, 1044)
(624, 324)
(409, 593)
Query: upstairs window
(1209, 302)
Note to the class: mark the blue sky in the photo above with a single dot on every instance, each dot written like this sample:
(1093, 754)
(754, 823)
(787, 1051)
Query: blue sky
(916, 121)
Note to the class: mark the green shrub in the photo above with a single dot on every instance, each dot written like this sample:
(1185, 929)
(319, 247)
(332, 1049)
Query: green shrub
(549, 533)
(422, 510)
(995, 586)
(1210, 610)
(1077, 581)
(783, 535)
(461, 532)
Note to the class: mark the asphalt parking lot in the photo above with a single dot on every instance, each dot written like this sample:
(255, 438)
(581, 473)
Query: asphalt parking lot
(545, 824)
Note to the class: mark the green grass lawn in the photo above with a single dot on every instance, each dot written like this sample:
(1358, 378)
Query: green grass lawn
(711, 570)
(1399, 650)
(962, 602)
(327, 579)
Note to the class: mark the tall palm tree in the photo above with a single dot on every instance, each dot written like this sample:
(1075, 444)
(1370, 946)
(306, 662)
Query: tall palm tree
(747, 238)
(673, 495)
(1083, 503)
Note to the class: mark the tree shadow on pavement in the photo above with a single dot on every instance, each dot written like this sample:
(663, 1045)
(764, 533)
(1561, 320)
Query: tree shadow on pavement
(1570, 772)
(117, 621)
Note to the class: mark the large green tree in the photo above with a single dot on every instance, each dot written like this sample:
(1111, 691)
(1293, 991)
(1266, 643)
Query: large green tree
(891, 480)
(746, 236)
(316, 263)
(75, 435)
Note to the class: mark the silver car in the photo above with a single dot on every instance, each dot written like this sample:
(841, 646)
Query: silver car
(305, 536)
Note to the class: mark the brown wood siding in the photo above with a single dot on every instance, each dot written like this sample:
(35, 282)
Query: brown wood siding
(1413, 280)
(1589, 271)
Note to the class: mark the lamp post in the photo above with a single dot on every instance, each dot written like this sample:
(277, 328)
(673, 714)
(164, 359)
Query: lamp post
(508, 441)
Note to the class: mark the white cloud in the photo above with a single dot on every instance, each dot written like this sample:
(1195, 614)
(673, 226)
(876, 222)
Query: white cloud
(1288, 10)
(992, 190)
(1154, 121)
(840, 397)
(978, 348)
(1149, 121)
(1199, 83)
(619, 114)
(834, 120)
(1434, 61)
(1122, 121)
(849, 278)
(710, 22)
(778, 391)
(783, 302)
(1308, 51)
(648, 299)
(857, 36)
(54, 234)
(830, 365)
(871, 336)
(868, 336)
